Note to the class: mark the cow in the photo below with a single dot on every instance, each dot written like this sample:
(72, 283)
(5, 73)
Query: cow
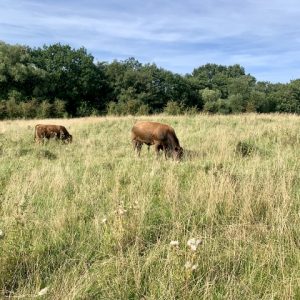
(43, 131)
(162, 136)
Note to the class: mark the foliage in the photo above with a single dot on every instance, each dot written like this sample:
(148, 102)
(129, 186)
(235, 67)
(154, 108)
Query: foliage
(87, 88)
(31, 109)
(245, 148)
(174, 108)
(129, 107)
(237, 103)
(59, 108)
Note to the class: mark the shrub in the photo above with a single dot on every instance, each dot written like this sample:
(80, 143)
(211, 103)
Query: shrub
(130, 107)
(112, 108)
(12, 108)
(3, 112)
(28, 109)
(174, 108)
(143, 110)
(59, 108)
(236, 103)
(44, 110)
(210, 95)
(210, 107)
(191, 111)
(84, 109)
(223, 106)
(245, 148)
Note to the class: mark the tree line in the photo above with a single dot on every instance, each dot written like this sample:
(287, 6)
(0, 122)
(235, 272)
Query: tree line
(60, 81)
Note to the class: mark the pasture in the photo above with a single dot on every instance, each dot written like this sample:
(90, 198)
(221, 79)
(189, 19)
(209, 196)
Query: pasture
(90, 220)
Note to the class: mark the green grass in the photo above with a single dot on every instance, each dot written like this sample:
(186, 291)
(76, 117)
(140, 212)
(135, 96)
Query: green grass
(237, 190)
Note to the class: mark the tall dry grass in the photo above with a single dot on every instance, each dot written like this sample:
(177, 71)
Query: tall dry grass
(90, 220)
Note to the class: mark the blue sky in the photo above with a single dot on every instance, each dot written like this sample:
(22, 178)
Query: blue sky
(261, 36)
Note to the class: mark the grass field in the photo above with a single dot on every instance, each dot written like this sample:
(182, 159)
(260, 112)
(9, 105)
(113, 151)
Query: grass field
(90, 220)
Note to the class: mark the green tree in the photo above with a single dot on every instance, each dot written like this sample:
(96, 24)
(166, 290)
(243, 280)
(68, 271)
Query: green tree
(241, 85)
(210, 95)
(17, 72)
(216, 77)
(71, 76)
(237, 103)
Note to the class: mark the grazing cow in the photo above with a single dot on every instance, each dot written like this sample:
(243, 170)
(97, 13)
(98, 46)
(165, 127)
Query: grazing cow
(51, 131)
(162, 136)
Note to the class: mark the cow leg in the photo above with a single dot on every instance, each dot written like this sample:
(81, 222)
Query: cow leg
(137, 146)
(133, 144)
(43, 139)
(166, 151)
(158, 147)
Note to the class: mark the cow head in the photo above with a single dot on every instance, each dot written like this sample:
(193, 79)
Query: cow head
(178, 153)
(69, 139)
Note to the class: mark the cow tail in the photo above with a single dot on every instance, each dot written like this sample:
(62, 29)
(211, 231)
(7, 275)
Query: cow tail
(34, 137)
(35, 132)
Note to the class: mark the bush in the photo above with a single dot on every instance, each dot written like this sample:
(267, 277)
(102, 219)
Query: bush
(210, 95)
(245, 148)
(191, 111)
(59, 108)
(236, 103)
(12, 109)
(84, 109)
(143, 110)
(174, 108)
(113, 108)
(28, 109)
(44, 110)
(223, 106)
(3, 112)
(210, 107)
(130, 107)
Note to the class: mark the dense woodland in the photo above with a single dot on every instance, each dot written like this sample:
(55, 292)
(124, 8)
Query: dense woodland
(59, 81)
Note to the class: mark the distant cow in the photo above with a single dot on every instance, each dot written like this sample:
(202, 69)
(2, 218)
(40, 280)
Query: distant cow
(162, 136)
(51, 131)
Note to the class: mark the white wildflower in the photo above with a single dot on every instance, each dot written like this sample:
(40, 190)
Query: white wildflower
(193, 243)
(174, 243)
(121, 211)
(136, 204)
(188, 265)
(43, 291)
(104, 220)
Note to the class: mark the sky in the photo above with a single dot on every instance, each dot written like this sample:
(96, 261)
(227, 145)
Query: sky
(263, 36)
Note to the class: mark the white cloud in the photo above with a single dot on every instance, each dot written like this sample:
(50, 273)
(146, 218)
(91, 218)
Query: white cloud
(261, 36)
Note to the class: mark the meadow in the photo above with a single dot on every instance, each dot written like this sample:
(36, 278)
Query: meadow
(91, 220)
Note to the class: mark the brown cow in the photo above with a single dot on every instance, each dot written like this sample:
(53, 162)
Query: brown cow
(162, 136)
(43, 131)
